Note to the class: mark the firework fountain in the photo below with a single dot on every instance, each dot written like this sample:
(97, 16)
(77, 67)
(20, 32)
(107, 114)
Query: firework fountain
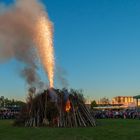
(44, 41)
(26, 34)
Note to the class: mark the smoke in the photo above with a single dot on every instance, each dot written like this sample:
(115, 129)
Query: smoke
(30, 75)
(61, 74)
(26, 34)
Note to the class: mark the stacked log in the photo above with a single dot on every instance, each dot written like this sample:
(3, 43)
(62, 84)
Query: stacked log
(64, 109)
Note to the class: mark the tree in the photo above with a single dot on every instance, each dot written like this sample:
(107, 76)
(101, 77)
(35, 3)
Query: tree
(93, 104)
(5, 102)
(104, 101)
(2, 101)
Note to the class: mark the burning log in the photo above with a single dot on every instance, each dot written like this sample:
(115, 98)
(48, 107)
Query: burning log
(64, 109)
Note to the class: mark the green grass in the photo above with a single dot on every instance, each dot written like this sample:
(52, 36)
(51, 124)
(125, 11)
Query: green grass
(106, 130)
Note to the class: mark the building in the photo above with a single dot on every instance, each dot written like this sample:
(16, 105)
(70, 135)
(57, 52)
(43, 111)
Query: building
(128, 101)
(119, 101)
(122, 100)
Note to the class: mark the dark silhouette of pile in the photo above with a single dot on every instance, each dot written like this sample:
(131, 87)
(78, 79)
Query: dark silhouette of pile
(56, 108)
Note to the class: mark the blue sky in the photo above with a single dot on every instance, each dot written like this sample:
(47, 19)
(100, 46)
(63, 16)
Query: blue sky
(97, 42)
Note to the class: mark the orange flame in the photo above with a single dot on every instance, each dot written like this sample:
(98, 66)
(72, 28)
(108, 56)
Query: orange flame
(68, 106)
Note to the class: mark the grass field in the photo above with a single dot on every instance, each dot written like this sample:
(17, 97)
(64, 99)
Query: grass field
(106, 130)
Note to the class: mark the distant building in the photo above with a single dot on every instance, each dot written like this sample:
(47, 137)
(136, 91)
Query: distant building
(122, 100)
(125, 100)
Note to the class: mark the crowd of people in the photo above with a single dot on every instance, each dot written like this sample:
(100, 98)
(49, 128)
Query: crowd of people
(98, 114)
(115, 114)
(8, 114)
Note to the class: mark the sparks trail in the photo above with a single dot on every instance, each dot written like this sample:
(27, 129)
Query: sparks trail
(44, 41)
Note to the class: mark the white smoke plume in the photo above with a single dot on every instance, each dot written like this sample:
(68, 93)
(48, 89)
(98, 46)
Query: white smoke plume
(26, 34)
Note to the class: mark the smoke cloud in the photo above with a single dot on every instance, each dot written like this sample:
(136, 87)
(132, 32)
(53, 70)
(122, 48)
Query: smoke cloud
(22, 38)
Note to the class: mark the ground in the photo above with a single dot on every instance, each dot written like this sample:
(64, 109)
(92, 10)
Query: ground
(106, 130)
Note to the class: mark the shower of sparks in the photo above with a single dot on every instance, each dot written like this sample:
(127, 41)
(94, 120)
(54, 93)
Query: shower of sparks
(44, 41)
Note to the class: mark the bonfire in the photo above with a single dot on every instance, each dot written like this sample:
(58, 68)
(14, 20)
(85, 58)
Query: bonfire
(55, 108)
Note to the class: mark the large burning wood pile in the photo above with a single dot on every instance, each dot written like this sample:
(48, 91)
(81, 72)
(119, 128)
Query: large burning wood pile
(56, 108)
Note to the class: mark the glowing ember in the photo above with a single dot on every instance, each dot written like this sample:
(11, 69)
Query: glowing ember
(44, 41)
(68, 106)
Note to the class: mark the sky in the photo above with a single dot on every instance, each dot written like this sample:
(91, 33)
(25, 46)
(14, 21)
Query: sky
(97, 43)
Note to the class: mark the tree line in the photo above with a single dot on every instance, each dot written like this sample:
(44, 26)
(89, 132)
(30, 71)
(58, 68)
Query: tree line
(5, 102)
